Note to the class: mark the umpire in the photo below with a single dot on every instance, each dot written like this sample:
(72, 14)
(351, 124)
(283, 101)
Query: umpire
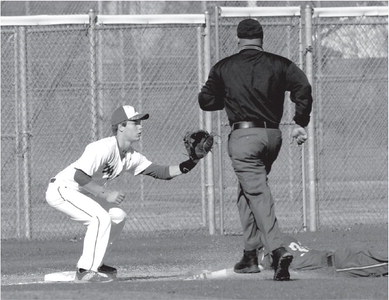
(251, 86)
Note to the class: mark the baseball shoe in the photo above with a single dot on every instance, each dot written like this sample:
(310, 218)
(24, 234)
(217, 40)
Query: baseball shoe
(281, 262)
(83, 275)
(248, 263)
(110, 271)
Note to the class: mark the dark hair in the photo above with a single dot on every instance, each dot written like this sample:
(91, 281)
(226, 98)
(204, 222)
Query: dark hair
(115, 127)
(249, 29)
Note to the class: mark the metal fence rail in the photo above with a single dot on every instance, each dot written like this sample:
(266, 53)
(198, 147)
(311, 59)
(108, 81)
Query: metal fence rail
(61, 82)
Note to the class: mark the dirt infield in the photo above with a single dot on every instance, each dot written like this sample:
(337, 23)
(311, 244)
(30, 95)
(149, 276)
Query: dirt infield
(159, 268)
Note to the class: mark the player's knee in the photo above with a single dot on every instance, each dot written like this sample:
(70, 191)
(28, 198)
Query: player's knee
(104, 220)
(117, 215)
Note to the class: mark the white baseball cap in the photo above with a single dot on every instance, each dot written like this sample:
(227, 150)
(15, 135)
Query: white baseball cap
(126, 113)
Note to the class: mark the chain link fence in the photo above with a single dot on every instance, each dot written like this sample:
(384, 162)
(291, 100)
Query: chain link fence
(351, 92)
(60, 84)
(70, 100)
(9, 140)
(350, 115)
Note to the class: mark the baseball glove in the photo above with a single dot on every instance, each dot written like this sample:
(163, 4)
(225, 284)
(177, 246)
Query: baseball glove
(198, 144)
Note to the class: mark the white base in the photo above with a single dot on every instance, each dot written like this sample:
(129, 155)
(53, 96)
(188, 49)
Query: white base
(60, 276)
(224, 273)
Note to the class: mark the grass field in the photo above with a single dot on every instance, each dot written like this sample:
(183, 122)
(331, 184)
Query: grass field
(155, 268)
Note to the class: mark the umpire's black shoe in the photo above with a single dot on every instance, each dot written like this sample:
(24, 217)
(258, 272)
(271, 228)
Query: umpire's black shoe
(110, 271)
(281, 262)
(248, 263)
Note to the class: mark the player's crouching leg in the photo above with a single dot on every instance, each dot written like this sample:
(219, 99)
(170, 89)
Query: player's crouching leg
(118, 218)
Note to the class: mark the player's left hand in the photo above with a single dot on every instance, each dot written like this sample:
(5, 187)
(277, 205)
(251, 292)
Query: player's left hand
(198, 144)
(299, 134)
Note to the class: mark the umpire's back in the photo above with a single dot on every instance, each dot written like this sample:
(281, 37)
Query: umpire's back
(255, 83)
(251, 84)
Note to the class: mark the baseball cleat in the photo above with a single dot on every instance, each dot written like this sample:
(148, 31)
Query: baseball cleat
(248, 263)
(91, 276)
(281, 262)
(110, 271)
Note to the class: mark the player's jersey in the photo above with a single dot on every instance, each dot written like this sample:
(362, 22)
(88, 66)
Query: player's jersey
(304, 258)
(347, 261)
(101, 160)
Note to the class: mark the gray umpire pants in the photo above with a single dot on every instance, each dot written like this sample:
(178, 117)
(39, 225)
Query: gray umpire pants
(252, 152)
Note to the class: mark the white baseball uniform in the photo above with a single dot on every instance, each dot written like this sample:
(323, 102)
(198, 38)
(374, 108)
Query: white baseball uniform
(101, 160)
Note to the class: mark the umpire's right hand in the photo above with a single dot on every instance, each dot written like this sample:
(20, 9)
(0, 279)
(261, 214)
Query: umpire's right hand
(299, 134)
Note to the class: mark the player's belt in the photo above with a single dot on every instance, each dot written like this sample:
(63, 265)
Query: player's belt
(52, 180)
(254, 124)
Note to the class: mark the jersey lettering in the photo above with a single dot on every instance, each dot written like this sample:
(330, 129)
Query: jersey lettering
(108, 171)
(296, 247)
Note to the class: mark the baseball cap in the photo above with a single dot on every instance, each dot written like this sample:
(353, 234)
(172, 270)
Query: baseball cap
(126, 113)
(249, 29)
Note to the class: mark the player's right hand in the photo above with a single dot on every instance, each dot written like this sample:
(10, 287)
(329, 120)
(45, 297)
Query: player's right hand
(114, 196)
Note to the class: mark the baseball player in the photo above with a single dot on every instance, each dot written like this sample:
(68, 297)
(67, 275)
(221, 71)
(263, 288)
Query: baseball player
(79, 190)
(349, 261)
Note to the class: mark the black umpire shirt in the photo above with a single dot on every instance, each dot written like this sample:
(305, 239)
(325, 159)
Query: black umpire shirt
(251, 86)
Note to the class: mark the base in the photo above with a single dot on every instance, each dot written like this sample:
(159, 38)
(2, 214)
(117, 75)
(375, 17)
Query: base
(60, 276)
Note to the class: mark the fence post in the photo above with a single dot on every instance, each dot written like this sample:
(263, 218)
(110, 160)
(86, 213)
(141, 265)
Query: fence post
(219, 133)
(311, 126)
(139, 76)
(99, 79)
(208, 126)
(200, 75)
(17, 136)
(93, 77)
(303, 165)
(26, 131)
(289, 128)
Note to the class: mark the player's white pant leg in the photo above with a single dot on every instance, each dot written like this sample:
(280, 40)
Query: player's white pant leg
(84, 209)
(118, 217)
